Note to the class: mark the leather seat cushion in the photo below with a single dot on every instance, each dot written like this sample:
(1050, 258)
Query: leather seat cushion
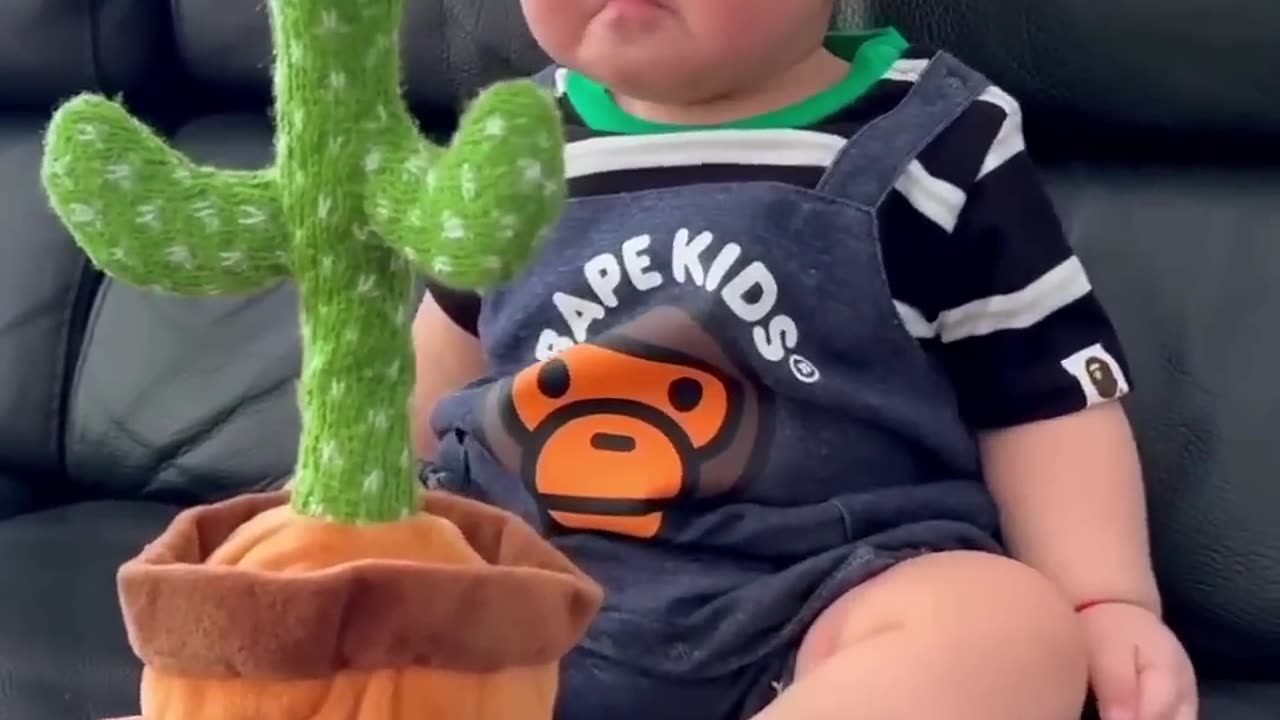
(63, 650)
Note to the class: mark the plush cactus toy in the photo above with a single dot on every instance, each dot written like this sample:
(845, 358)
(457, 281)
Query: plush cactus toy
(355, 596)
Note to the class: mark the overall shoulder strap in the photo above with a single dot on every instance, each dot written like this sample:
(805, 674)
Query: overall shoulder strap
(872, 161)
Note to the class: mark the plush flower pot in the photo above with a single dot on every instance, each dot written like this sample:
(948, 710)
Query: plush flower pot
(244, 610)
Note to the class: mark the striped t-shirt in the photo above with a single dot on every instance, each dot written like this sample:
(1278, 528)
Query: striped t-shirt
(975, 256)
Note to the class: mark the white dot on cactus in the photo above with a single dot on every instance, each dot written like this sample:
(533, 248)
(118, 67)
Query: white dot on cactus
(418, 165)
(393, 370)
(87, 132)
(182, 175)
(323, 206)
(452, 227)
(468, 181)
(329, 22)
(507, 226)
(326, 264)
(366, 285)
(121, 174)
(338, 388)
(337, 80)
(379, 419)
(550, 187)
(492, 262)
(207, 213)
(233, 258)
(495, 126)
(81, 214)
(531, 170)
(118, 254)
(149, 214)
(179, 255)
(250, 215)
(373, 160)
(373, 482)
(442, 265)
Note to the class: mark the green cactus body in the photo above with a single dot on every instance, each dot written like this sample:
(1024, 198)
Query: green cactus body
(356, 202)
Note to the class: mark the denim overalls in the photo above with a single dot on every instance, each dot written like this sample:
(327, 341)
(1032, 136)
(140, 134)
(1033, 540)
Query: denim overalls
(705, 397)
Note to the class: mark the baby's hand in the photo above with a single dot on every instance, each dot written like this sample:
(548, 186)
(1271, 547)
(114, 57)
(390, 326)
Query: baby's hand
(1138, 669)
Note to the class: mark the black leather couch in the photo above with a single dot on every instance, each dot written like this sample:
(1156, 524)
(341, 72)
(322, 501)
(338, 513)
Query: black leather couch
(117, 407)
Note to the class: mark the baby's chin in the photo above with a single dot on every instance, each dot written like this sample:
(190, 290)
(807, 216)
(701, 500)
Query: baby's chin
(655, 75)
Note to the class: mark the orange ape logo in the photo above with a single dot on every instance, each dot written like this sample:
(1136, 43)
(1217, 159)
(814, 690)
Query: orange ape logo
(612, 433)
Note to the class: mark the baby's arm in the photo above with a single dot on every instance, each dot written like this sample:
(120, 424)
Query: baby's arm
(448, 358)
(1072, 504)
(1036, 363)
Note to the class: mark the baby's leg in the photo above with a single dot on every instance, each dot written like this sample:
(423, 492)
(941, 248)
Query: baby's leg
(958, 635)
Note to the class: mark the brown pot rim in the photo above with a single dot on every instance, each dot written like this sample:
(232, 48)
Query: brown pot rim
(187, 618)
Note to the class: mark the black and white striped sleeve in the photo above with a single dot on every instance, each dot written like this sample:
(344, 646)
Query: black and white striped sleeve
(460, 306)
(983, 275)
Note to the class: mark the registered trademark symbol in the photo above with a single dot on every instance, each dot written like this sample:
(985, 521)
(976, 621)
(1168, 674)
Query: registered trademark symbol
(804, 370)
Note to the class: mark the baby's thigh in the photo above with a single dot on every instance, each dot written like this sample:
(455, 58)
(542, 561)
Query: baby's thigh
(966, 605)
(593, 687)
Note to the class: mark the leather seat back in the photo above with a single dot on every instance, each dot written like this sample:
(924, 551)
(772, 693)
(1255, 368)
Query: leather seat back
(50, 49)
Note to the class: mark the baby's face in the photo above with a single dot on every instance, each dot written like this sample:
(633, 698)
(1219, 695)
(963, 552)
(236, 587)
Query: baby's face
(677, 51)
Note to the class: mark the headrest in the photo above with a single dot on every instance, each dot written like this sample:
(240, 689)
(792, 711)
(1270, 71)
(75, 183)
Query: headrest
(452, 48)
(1197, 66)
(50, 49)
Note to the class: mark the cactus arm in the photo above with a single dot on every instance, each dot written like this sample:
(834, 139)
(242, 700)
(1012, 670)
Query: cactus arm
(149, 216)
(471, 215)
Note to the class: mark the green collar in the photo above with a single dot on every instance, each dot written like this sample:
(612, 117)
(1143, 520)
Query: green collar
(869, 53)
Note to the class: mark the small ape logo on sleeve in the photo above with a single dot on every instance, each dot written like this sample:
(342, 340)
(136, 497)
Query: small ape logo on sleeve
(1098, 373)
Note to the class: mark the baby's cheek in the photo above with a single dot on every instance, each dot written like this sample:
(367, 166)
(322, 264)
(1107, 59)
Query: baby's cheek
(558, 25)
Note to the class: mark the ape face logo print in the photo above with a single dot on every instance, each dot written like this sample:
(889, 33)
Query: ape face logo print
(610, 434)
(1104, 380)
(1098, 373)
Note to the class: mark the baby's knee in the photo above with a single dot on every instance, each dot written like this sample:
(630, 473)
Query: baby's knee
(972, 607)
(1004, 602)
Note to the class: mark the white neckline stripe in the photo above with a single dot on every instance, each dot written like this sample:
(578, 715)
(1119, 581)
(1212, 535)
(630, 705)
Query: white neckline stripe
(784, 148)
(906, 70)
(1049, 293)
(936, 199)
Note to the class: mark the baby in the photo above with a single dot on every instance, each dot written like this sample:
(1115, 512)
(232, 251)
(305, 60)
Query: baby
(809, 379)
